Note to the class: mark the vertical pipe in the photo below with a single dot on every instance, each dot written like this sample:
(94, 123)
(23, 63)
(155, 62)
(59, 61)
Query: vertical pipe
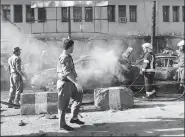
(31, 27)
(56, 20)
(153, 25)
(107, 19)
(100, 20)
(45, 17)
(94, 19)
(69, 23)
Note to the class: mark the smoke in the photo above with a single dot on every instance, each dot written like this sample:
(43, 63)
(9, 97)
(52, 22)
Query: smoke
(102, 68)
(31, 47)
(100, 72)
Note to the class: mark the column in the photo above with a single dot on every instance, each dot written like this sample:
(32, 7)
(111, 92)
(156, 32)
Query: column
(180, 14)
(24, 13)
(171, 14)
(116, 14)
(12, 13)
(127, 13)
(36, 15)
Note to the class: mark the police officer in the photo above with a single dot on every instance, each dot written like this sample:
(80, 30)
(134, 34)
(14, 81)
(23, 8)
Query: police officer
(148, 69)
(180, 69)
(68, 86)
(16, 77)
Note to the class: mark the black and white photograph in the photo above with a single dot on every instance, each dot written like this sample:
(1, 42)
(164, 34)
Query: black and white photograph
(92, 68)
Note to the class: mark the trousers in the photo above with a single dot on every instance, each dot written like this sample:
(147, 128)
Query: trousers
(67, 90)
(16, 88)
(180, 72)
(148, 78)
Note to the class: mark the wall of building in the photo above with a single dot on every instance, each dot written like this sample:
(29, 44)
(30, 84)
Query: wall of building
(141, 27)
(164, 28)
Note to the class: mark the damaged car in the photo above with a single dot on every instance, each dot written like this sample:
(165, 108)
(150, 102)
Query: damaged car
(166, 67)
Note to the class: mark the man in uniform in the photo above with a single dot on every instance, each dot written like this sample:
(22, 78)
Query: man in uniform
(180, 69)
(16, 77)
(148, 69)
(68, 86)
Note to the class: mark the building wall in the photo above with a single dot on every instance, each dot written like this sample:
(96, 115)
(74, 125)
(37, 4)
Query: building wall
(141, 27)
(164, 28)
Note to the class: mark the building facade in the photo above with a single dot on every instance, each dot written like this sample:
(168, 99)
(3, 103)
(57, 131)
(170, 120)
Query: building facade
(120, 17)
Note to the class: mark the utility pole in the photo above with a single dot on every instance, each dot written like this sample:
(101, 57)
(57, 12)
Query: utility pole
(153, 41)
(69, 23)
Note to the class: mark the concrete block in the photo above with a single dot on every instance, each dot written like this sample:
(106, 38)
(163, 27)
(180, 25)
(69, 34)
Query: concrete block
(39, 103)
(28, 109)
(116, 98)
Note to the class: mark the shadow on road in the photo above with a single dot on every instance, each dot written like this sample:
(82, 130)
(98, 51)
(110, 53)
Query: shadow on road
(148, 127)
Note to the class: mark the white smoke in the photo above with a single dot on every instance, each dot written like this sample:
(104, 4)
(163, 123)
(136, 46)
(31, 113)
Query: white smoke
(104, 52)
(31, 47)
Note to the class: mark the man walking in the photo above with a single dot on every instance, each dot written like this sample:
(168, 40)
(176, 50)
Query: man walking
(68, 86)
(148, 69)
(180, 69)
(16, 75)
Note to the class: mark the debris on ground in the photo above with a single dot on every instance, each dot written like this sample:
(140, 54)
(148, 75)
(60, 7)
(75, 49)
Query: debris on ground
(49, 116)
(21, 123)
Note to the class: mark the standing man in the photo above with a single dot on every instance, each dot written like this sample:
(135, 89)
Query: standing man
(148, 69)
(16, 75)
(68, 86)
(180, 69)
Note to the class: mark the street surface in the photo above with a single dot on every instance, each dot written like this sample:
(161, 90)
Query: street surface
(144, 119)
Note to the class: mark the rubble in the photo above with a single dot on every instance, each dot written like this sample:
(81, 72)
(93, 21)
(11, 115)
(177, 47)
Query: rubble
(21, 123)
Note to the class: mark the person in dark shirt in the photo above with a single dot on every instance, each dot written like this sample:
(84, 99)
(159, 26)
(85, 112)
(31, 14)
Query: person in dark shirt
(148, 69)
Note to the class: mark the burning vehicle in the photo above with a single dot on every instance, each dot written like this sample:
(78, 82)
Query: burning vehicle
(92, 74)
(47, 79)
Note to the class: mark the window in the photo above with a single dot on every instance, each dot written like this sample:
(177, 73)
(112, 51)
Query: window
(111, 13)
(77, 14)
(122, 10)
(183, 19)
(133, 13)
(166, 13)
(88, 14)
(175, 13)
(64, 14)
(29, 14)
(6, 12)
(41, 14)
(18, 13)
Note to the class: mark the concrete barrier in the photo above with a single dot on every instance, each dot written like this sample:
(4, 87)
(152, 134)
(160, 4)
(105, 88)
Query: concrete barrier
(116, 98)
(39, 103)
(33, 103)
